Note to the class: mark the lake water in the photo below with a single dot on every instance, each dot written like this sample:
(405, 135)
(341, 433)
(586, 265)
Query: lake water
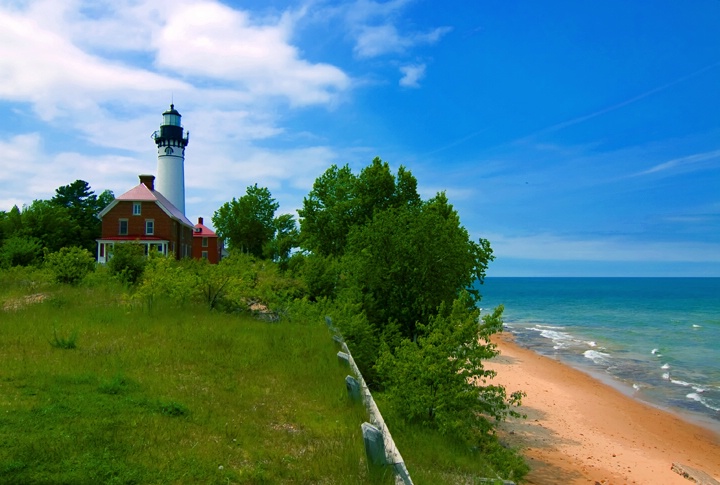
(654, 338)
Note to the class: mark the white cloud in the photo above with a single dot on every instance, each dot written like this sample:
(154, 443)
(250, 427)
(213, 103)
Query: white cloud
(373, 41)
(684, 164)
(43, 67)
(28, 171)
(412, 75)
(209, 40)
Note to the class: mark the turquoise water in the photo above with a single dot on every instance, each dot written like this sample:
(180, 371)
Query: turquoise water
(655, 338)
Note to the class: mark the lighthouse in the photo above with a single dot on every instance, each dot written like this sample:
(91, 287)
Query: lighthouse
(171, 145)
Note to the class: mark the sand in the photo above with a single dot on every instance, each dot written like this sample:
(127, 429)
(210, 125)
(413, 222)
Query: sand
(580, 430)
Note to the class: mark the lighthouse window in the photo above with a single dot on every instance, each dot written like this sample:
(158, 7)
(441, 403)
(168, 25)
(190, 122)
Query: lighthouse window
(123, 229)
(171, 119)
(204, 242)
(149, 227)
(137, 208)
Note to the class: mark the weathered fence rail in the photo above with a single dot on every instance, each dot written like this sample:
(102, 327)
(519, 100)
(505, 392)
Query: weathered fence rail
(379, 445)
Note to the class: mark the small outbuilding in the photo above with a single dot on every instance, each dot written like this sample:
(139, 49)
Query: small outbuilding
(206, 243)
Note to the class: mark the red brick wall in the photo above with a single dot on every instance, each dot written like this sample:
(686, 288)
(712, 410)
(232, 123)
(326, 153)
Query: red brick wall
(180, 236)
(212, 249)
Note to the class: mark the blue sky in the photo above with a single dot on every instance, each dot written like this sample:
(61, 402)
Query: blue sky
(580, 138)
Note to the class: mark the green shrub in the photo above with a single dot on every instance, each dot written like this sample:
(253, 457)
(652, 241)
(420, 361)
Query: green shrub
(70, 265)
(20, 251)
(127, 262)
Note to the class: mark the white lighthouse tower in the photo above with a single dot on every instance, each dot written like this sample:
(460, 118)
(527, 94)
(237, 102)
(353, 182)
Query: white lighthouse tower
(171, 158)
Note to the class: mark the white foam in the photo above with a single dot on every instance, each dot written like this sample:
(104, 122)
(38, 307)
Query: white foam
(637, 387)
(666, 376)
(665, 366)
(654, 351)
(680, 383)
(592, 344)
(697, 326)
(701, 400)
(597, 357)
(561, 340)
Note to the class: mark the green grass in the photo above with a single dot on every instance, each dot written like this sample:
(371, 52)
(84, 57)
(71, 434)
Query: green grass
(434, 458)
(179, 395)
(97, 388)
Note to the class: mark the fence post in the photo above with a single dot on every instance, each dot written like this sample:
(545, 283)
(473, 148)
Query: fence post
(374, 444)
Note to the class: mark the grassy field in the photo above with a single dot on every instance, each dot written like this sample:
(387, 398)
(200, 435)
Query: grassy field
(97, 388)
(95, 391)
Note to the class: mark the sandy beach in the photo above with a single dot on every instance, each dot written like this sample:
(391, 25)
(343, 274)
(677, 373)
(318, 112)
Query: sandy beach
(580, 430)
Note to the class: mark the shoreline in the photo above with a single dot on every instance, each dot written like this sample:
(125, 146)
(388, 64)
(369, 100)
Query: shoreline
(580, 429)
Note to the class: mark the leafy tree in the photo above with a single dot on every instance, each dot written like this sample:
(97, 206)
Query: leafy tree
(70, 265)
(51, 224)
(83, 206)
(340, 201)
(328, 212)
(248, 223)
(321, 274)
(10, 223)
(409, 260)
(104, 199)
(440, 380)
(284, 241)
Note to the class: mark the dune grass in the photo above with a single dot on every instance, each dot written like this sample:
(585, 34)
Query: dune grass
(176, 395)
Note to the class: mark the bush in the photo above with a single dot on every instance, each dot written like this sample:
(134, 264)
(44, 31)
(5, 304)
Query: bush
(70, 265)
(20, 251)
(440, 381)
(127, 262)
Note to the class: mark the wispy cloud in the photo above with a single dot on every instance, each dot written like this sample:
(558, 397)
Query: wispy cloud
(685, 164)
(377, 40)
(622, 104)
(412, 75)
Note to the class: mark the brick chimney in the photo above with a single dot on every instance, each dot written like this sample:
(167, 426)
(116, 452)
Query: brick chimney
(200, 220)
(148, 180)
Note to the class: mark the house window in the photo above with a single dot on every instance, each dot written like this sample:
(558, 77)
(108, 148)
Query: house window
(205, 242)
(137, 208)
(149, 227)
(123, 229)
(204, 254)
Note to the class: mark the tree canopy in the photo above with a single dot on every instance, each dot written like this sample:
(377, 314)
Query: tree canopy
(68, 219)
(249, 225)
(340, 200)
(408, 260)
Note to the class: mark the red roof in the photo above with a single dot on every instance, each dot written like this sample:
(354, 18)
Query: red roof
(203, 232)
(141, 193)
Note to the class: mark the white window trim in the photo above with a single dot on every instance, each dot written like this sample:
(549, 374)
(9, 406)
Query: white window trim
(137, 208)
(150, 233)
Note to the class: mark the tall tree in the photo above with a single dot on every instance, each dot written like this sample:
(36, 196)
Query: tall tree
(83, 206)
(284, 241)
(409, 260)
(328, 212)
(340, 200)
(248, 223)
(51, 224)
